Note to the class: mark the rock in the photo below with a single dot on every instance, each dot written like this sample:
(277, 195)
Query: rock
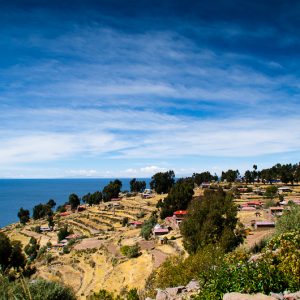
(239, 296)
(161, 295)
(292, 296)
(193, 286)
(277, 296)
(173, 292)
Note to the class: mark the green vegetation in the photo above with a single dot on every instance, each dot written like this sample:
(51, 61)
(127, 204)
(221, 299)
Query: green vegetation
(74, 201)
(51, 203)
(131, 251)
(31, 249)
(178, 198)
(211, 219)
(230, 175)
(146, 229)
(112, 190)
(41, 211)
(10, 253)
(199, 178)
(137, 186)
(35, 290)
(23, 215)
(92, 199)
(271, 191)
(162, 182)
(105, 295)
(290, 220)
(63, 233)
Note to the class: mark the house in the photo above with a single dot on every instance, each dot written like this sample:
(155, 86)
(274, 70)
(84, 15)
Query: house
(73, 236)
(242, 190)
(276, 210)
(158, 230)
(179, 215)
(255, 204)
(264, 224)
(205, 185)
(115, 199)
(136, 224)
(63, 214)
(45, 228)
(248, 208)
(284, 189)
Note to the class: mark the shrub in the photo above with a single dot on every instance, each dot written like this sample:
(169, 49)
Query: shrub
(146, 229)
(131, 251)
(290, 220)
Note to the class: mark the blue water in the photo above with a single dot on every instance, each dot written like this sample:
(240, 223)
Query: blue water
(26, 193)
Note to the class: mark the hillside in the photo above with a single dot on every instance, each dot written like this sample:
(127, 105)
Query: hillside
(95, 260)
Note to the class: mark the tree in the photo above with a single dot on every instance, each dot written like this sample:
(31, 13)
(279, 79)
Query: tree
(178, 198)
(74, 201)
(271, 191)
(31, 249)
(17, 258)
(249, 177)
(41, 211)
(199, 178)
(23, 215)
(211, 220)
(92, 199)
(147, 227)
(230, 175)
(5, 251)
(50, 222)
(51, 203)
(137, 186)
(63, 233)
(162, 182)
(112, 190)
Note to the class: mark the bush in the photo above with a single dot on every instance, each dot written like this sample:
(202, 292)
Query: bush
(146, 229)
(36, 290)
(131, 251)
(269, 203)
(275, 271)
(290, 220)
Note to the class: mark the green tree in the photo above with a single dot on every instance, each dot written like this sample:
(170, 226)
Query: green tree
(74, 201)
(41, 211)
(147, 226)
(271, 191)
(199, 178)
(212, 219)
(17, 258)
(178, 198)
(230, 175)
(23, 215)
(51, 203)
(5, 251)
(63, 233)
(137, 186)
(249, 177)
(112, 190)
(31, 249)
(162, 182)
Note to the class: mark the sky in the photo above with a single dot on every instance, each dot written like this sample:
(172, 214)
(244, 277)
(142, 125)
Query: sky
(131, 88)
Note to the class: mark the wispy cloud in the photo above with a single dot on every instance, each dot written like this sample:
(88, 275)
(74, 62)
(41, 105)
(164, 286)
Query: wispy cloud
(127, 98)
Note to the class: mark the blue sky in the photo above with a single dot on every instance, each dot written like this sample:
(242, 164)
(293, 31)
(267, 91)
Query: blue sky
(129, 88)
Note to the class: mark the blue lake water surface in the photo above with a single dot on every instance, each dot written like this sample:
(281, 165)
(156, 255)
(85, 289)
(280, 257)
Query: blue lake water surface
(26, 193)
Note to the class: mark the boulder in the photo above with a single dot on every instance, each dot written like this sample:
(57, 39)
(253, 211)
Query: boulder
(239, 296)
(292, 296)
(161, 295)
(193, 286)
(173, 292)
